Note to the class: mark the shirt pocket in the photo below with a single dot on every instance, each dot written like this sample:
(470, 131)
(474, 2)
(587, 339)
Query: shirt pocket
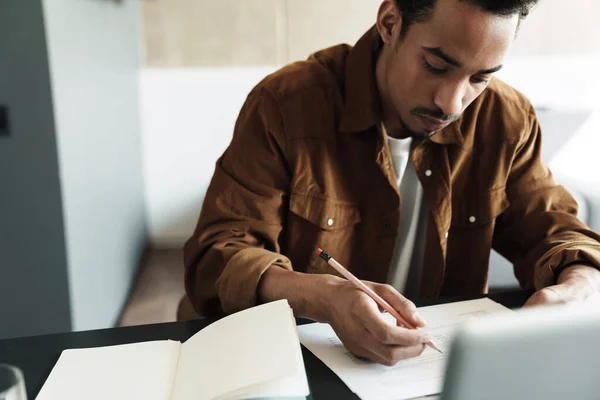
(470, 239)
(329, 224)
(479, 210)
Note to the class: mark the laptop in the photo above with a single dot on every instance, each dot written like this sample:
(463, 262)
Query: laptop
(542, 353)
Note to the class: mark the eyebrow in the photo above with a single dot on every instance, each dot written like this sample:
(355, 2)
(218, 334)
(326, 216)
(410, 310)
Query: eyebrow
(490, 71)
(439, 53)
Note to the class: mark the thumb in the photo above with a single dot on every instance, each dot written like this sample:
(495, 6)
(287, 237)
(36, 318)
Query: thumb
(405, 307)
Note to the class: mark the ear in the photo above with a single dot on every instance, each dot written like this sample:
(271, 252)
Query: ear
(389, 21)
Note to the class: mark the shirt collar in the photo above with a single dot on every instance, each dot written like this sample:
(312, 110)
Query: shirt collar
(361, 106)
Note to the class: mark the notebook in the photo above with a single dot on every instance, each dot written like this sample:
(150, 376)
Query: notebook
(254, 353)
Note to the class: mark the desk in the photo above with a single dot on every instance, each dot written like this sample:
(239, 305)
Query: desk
(37, 355)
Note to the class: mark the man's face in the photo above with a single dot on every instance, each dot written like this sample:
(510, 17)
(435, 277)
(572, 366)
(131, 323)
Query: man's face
(428, 77)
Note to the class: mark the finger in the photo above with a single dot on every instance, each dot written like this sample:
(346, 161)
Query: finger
(378, 352)
(406, 352)
(364, 353)
(366, 309)
(391, 355)
(384, 332)
(375, 351)
(405, 307)
(371, 319)
(394, 335)
(546, 296)
(365, 348)
(533, 301)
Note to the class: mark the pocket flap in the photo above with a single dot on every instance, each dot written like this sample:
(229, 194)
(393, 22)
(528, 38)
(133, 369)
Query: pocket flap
(480, 209)
(326, 213)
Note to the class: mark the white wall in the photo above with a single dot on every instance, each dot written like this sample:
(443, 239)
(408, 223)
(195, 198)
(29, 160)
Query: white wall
(563, 83)
(188, 117)
(94, 64)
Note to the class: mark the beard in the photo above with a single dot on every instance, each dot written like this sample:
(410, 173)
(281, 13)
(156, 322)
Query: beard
(414, 134)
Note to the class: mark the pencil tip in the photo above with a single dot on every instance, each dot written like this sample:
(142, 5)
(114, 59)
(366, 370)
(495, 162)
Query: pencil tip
(435, 347)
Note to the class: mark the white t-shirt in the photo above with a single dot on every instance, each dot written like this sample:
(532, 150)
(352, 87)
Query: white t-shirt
(400, 150)
(411, 193)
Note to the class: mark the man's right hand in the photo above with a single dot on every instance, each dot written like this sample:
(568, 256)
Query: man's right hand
(358, 322)
(354, 316)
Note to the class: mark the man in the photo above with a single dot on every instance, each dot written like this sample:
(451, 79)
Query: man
(406, 161)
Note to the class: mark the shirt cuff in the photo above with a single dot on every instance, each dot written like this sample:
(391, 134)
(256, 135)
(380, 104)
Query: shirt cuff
(554, 262)
(238, 283)
(561, 268)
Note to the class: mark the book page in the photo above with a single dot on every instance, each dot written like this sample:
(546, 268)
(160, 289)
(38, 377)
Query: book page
(420, 376)
(131, 371)
(295, 385)
(249, 352)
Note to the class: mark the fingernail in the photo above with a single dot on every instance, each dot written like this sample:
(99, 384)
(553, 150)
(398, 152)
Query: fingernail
(419, 318)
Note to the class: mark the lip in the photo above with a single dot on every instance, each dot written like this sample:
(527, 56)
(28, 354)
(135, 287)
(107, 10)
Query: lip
(432, 124)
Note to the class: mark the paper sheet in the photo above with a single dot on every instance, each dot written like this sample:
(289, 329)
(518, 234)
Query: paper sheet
(421, 376)
(124, 372)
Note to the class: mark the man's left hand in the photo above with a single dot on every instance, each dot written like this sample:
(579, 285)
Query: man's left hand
(575, 284)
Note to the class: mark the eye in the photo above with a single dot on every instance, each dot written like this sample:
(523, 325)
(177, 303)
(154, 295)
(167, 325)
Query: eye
(477, 81)
(432, 69)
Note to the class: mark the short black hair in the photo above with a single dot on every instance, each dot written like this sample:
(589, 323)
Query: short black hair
(414, 11)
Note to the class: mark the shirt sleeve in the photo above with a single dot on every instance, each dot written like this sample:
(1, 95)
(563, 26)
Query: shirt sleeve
(540, 232)
(236, 237)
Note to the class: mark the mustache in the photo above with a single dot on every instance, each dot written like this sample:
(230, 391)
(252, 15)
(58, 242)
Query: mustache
(437, 114)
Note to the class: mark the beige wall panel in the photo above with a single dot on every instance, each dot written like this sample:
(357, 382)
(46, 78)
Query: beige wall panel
(190, 33)
(315, 24)
(193, 33)
(554, 27)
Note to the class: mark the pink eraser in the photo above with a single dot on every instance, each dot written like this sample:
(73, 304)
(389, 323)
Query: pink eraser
(319, 251)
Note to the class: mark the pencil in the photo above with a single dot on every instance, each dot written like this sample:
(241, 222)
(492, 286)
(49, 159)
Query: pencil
(378, 299)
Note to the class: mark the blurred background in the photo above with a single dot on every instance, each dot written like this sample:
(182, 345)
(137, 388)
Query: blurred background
(113, 113)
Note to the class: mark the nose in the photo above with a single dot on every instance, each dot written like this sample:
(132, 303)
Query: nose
(449, 98)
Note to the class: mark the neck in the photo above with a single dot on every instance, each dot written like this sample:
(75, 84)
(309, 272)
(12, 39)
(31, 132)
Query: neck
(387, 112)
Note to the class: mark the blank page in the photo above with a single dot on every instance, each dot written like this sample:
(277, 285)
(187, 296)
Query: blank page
(252, 347)
(293, 387)
(132, 371)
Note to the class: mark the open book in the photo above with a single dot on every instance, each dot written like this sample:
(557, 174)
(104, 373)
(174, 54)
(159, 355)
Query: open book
(254, 353)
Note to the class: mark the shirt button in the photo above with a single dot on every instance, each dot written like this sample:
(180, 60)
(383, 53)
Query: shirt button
(330, 222)
(446, 235)
(428, 172)
(472, 220)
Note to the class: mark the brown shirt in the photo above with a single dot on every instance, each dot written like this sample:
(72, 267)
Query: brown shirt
(307, 167)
